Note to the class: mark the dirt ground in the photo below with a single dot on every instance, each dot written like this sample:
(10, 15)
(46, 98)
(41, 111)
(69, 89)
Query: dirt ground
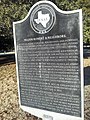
(9, 107)
(87, 89)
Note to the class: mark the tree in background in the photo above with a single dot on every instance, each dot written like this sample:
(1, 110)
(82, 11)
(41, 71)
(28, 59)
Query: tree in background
(85, 6)
(14, 10)
(10, 11)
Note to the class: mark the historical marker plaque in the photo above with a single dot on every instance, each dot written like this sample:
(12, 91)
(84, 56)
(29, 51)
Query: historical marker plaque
(49, 57)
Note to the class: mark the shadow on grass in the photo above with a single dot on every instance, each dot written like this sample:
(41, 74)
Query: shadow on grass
(86, 53)
(7, 59)
(87, 75)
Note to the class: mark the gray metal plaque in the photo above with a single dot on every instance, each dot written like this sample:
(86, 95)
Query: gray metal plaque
(48, 45)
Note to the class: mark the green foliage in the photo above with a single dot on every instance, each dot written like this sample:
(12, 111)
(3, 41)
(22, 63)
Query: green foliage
(79, 4)
(10, 12)
(14, 10)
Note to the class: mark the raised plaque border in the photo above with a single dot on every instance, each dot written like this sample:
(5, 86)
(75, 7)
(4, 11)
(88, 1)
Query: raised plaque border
(38, 112)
